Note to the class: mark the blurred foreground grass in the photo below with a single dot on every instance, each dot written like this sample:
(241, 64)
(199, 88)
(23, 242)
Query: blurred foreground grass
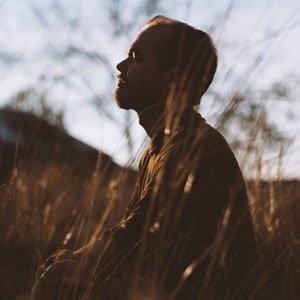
(54, 197)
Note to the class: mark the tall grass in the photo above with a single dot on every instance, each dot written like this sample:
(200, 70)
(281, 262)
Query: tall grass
(54, 198)
(49, 206)
(62, 202)
(56, 204)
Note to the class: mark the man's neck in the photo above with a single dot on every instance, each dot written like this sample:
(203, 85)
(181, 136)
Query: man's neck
(152, 120)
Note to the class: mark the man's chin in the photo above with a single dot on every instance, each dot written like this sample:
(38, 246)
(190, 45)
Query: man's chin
(121, 100)
(122, 105)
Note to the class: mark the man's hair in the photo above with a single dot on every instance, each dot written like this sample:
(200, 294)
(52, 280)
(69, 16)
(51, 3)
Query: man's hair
(190, 50)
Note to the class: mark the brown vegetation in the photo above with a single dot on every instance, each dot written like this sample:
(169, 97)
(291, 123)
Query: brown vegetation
(54, 191)
(60, 193)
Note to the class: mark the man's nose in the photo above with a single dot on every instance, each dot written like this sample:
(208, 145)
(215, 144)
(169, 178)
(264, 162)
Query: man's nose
(122, 66)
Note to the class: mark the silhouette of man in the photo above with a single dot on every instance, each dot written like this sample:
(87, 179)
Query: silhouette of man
(187, 232)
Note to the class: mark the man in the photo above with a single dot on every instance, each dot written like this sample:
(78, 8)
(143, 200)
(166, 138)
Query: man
(187, 232)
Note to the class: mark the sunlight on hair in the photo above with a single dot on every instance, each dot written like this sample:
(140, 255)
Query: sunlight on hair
(162, 20)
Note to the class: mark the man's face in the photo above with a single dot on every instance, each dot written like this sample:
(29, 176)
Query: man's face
(142, 82)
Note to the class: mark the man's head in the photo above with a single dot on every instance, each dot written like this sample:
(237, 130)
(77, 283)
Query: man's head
(167, 55)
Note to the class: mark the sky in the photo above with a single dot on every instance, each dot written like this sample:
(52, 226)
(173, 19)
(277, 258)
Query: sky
(36, 35)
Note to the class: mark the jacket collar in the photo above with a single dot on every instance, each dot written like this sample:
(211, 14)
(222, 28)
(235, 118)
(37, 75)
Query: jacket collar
(189, 120)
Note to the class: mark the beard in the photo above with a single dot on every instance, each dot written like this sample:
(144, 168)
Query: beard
(136, 99)
(122, 98)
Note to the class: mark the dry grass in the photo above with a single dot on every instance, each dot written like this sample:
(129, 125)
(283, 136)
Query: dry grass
(52, 204)
(49, 208)
(54, 199)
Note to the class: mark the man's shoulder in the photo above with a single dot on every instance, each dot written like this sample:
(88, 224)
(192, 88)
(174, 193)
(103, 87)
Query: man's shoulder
(197, 130)
(207, 145)
(214, 137)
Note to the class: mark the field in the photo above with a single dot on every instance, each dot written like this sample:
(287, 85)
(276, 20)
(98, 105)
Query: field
(58, 193)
